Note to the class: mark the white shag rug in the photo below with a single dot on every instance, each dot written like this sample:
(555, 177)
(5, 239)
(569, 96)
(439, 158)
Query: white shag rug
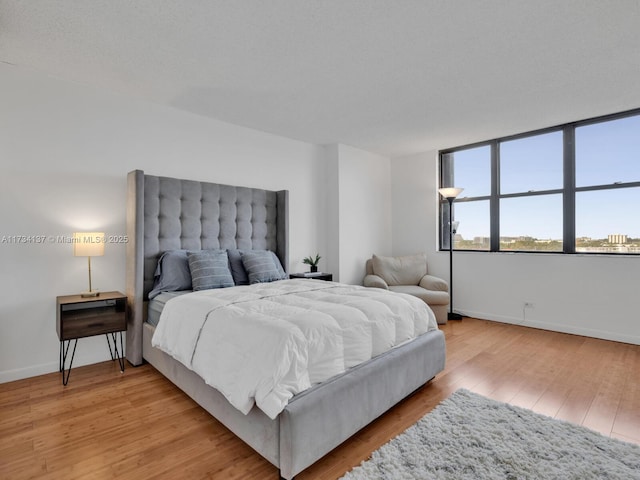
(469, 436)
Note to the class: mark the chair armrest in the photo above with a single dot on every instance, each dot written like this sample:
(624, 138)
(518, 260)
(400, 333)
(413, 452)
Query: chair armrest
(375, 281)
(434, 283)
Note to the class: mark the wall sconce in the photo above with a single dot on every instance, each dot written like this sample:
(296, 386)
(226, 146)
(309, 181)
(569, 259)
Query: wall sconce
(88, 244)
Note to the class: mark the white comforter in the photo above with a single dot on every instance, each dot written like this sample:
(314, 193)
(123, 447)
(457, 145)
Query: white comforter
(264, 343)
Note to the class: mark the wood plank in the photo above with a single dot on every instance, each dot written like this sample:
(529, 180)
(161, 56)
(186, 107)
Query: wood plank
(135, 425)
(626, 425)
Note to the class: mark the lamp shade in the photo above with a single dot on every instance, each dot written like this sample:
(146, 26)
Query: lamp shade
(88, 244)
(450, 192)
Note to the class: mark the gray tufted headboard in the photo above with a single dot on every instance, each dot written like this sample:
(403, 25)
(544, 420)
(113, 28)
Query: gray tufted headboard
(168, 213)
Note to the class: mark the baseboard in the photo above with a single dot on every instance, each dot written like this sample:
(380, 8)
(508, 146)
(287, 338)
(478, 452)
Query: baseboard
(45, 368)
(28, 372)
(554, 327)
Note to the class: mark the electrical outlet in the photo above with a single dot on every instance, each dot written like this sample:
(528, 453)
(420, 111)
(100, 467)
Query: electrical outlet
(528, 305)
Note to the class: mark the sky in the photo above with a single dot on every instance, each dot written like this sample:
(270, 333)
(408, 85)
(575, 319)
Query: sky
(606, 153)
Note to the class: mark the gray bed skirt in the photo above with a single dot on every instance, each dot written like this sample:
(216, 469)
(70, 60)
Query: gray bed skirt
(317, 420)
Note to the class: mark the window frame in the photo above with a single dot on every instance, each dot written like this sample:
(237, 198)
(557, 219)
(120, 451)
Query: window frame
(568, 191)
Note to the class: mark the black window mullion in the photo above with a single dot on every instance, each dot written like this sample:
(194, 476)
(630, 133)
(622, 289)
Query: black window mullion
(569, 195)
(611, 186)
(494, 203)
(532, 193)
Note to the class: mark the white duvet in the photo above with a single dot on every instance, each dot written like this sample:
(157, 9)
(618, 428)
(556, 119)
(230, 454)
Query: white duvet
(263, 343)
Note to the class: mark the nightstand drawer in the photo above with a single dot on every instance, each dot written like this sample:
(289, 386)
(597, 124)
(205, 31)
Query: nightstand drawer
(88, 318)
(92, 321)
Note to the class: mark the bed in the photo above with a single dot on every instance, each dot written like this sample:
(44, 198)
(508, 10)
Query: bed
(169, 213)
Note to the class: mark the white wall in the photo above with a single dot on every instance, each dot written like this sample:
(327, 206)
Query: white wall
(359, 222)
(65, 151)
(589, 295)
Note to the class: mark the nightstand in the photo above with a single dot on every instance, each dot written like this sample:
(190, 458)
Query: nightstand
(315, 275)
(79, 317)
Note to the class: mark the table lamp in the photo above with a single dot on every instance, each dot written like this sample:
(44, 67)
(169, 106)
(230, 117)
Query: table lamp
(88, 244)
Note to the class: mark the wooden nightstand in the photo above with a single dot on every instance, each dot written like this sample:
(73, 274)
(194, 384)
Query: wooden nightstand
(316, 275)
(79, 317)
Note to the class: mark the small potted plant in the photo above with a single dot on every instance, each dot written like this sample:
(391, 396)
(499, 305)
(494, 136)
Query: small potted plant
(312, 262)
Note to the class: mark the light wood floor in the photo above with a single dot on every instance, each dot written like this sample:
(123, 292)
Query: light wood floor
(138, 425)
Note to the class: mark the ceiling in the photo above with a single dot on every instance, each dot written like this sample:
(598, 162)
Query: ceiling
(394, 77)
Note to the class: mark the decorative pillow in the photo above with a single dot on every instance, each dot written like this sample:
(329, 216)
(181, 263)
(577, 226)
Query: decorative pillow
(261, 266)
(209, 269)
(172, 273)
(276, 262)
(240, 276)
(407, 270)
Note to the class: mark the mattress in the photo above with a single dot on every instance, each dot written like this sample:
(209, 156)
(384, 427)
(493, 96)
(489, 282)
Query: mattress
(263, 343)
(157, 304)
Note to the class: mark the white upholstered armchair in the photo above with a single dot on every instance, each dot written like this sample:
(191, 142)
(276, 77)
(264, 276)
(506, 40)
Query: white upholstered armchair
(408, 274)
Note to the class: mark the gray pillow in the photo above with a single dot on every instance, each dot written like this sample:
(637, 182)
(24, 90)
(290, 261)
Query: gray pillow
(209, 269)
(261, 267)
(278, 265)
(172, 273)
(240, 276)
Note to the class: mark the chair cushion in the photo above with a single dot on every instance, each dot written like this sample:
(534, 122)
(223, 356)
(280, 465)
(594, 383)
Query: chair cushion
(405, 270)
(430, 297)
(375, 281)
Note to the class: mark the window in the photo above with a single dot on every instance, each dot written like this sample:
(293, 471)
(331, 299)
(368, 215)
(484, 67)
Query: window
(531, 223)
(473, 168)
(572, 188)
(608, 152)
(607, 189)
(531, 164)
(531, 175)
(469, 167)
(473, 229)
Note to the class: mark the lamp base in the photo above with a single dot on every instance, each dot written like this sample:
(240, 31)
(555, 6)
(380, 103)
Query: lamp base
(454, 316)
(92, 293)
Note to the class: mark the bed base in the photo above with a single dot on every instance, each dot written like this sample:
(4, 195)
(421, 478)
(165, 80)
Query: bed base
(312, 425)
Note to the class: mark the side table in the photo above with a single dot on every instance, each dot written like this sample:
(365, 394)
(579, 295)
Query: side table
(315, 275)
(79, 317)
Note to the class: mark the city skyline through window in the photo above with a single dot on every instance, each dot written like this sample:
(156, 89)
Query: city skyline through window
(531, 188)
